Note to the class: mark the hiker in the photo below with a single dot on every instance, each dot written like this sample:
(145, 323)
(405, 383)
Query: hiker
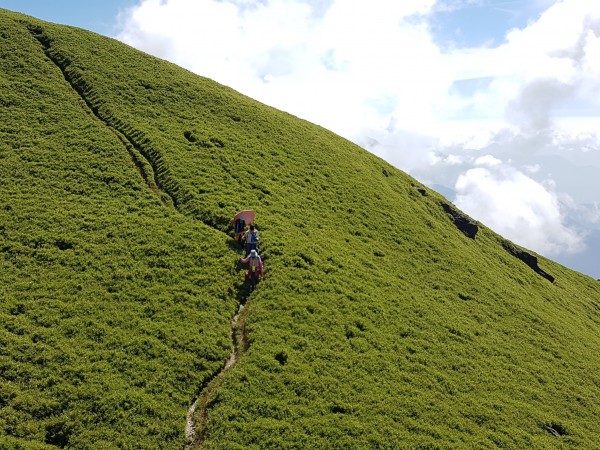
(240, 220)
(255, 267)
(238, 229)
(250, 239)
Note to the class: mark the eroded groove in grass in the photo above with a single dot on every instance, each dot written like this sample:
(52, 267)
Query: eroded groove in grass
(160, 179)
(143, 167)
(195, 430)
(142, 162)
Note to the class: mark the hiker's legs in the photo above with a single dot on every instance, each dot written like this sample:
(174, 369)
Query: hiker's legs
(250, 247)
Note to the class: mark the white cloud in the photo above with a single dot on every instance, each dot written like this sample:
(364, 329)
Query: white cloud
(532, 168)
(367, 63)
(347, 68)
(473, 119)
(517, 207)
(487, 160)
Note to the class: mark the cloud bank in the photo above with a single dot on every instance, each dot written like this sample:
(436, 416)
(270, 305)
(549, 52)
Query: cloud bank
(505, 129)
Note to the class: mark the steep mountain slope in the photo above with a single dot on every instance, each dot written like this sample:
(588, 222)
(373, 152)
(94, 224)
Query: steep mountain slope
(379, 324)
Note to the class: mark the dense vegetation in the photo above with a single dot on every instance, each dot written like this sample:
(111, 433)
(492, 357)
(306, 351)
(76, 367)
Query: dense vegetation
(379, 324)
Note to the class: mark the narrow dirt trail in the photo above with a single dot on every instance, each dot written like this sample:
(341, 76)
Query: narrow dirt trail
(197, 413)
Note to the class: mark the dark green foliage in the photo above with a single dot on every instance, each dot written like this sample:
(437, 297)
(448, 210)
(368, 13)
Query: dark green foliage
(379, 323)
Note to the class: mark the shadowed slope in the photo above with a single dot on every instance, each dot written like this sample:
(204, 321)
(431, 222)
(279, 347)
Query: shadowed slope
(380, 323)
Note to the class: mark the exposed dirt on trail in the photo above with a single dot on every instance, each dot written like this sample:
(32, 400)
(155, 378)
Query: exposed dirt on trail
(197, 414)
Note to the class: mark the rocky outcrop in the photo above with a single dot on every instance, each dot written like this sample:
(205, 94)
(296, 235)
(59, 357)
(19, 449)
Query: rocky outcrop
(463, 222)
(555, 429)
(527, 258)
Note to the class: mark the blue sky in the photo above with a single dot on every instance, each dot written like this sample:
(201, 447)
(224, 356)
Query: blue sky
(494, 103)
(468, 24)
(98, 15)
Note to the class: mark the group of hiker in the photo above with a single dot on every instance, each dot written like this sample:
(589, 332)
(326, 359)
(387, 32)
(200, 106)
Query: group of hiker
(249, 240)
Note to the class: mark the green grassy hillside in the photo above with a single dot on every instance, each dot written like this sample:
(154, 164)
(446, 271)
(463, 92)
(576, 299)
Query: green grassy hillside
(379, 324)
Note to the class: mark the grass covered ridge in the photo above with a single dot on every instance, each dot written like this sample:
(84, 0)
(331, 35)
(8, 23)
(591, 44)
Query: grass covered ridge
(379, 324)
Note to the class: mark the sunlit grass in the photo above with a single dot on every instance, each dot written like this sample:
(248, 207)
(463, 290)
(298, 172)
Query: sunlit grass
(378, 325)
